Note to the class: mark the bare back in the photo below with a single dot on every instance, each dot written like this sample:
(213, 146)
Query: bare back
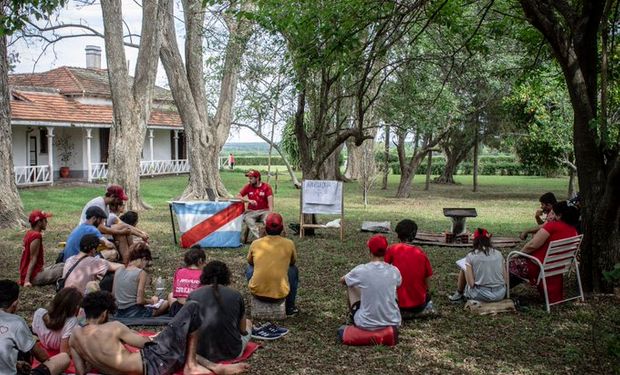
(100, 346)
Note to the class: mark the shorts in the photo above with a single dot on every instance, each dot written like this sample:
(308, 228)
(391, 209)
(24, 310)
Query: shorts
(135, 311)
(40, 370)
(166, 353)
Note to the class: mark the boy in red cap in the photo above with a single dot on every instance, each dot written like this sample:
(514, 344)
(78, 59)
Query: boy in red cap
(31, 271)
(372, 289)
(272, 273)
(259, 200)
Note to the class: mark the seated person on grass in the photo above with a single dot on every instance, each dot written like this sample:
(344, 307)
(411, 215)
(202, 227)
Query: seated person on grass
(272, 272)
(53, 327)
(95, 216)
(114, 221)
(130, 283)
(224, 332)
(113, 194)
(89, 269)
(543, 215)
(372, 289)
(101, 344)
(186, 279)
(17, 341)
(31, 270)
(484, 276)
(415, 269)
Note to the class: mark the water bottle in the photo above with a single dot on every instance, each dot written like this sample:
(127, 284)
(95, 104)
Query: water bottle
(159, 288)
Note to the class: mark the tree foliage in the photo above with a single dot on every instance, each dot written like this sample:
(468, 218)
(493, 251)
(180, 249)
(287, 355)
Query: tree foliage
(15, 13)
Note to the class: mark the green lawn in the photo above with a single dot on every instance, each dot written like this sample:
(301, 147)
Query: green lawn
(572, 339)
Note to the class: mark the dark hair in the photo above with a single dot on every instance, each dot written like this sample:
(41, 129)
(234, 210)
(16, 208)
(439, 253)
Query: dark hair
(89, 242)
(274, 231)
(130, 217)
(482, 243)
(194, 256)
(95, 303)
(548, 198)
(9, 293)
(566, 213)
(406, 230)
(214, 273)
(116, 204)
(65, 304)
(139, 250)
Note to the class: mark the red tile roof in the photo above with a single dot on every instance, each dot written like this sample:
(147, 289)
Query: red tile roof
(54, 107)
(50, 96)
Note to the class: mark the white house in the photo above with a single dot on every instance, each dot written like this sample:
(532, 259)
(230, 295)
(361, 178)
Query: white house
(73, 106)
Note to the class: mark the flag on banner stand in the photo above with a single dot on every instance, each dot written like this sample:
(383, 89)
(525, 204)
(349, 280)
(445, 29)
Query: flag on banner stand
(209, 224)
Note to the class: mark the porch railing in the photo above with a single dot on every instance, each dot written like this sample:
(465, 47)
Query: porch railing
(32, 175)
(99, 171)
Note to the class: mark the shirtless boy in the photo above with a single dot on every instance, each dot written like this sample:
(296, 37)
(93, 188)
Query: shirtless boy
(100, 344)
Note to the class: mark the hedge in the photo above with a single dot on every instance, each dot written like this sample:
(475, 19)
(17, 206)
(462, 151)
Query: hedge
(258, 160)
(502, 168)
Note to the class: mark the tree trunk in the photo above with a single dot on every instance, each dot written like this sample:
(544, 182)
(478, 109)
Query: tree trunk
(572, 188)
(131, 104)
(574, 42)
(429, 167)
(354, 161)
(386, 156)
(447, 175)
(475, 171)
(11, 209)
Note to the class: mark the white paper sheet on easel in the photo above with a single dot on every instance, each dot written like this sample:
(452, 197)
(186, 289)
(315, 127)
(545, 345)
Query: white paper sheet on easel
(322, 197)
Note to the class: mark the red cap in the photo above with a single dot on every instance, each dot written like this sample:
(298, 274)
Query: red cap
(274, 222)
(37, 215)
(117, 191)
(481, 232)
(378, 245)
(253, 173)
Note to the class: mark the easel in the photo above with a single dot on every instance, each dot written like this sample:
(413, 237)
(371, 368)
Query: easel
(328, 210)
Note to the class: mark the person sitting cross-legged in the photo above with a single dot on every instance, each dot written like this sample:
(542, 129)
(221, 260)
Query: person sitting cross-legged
(95, 217)
(484, 276)
(371, 289)
(130, 283)
(101, 344)
(272, 272)
(54, 325)
(414, 297)
(31, 270)
(16, 340)
(90, 268)
(115, 221)
(224, 332)
(186, 279)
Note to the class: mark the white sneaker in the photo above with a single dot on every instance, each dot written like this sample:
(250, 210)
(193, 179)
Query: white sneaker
(456, 297)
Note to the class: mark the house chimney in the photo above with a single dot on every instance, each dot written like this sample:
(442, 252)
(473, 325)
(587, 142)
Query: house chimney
(93, 57)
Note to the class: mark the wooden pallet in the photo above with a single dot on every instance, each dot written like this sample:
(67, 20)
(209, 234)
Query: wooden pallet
(439, 239)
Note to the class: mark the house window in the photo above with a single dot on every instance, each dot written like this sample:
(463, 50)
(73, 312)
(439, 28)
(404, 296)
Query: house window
(104, 144)
(43, 140)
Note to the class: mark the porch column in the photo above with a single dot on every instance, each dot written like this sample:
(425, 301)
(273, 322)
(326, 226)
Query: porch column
(50, 152)
(151, 142)
(176, 145)
(89, 136)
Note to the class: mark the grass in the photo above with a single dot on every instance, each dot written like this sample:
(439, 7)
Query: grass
(574, 338)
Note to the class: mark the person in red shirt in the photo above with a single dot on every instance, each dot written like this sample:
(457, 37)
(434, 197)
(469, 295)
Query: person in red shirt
(566, 218)
(259, 197)
(31, 271)
(413, 294)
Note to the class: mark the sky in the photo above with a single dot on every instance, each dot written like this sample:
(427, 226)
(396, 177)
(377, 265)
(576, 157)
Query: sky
(70, 51)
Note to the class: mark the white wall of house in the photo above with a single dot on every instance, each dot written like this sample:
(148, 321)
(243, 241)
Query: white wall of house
(161, 145)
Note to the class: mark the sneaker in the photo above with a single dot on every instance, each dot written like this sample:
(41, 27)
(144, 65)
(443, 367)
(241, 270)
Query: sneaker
(275, 329)
(262, 333)
(292, 312)
(456, 297)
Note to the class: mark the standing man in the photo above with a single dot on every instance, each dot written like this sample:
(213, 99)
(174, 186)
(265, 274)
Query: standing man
(231, 161)
(259, 200)
(31, 271)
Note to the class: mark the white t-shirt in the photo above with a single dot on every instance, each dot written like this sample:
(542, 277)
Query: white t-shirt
(14, 336)
(112, 219)
(378, 282)
(99, 202)
(51, 339)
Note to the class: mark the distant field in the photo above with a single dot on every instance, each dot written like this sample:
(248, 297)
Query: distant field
(574, 338)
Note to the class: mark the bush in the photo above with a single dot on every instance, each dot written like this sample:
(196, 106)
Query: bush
(258, 160)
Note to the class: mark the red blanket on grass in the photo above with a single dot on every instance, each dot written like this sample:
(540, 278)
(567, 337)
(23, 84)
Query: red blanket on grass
(250, 348)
